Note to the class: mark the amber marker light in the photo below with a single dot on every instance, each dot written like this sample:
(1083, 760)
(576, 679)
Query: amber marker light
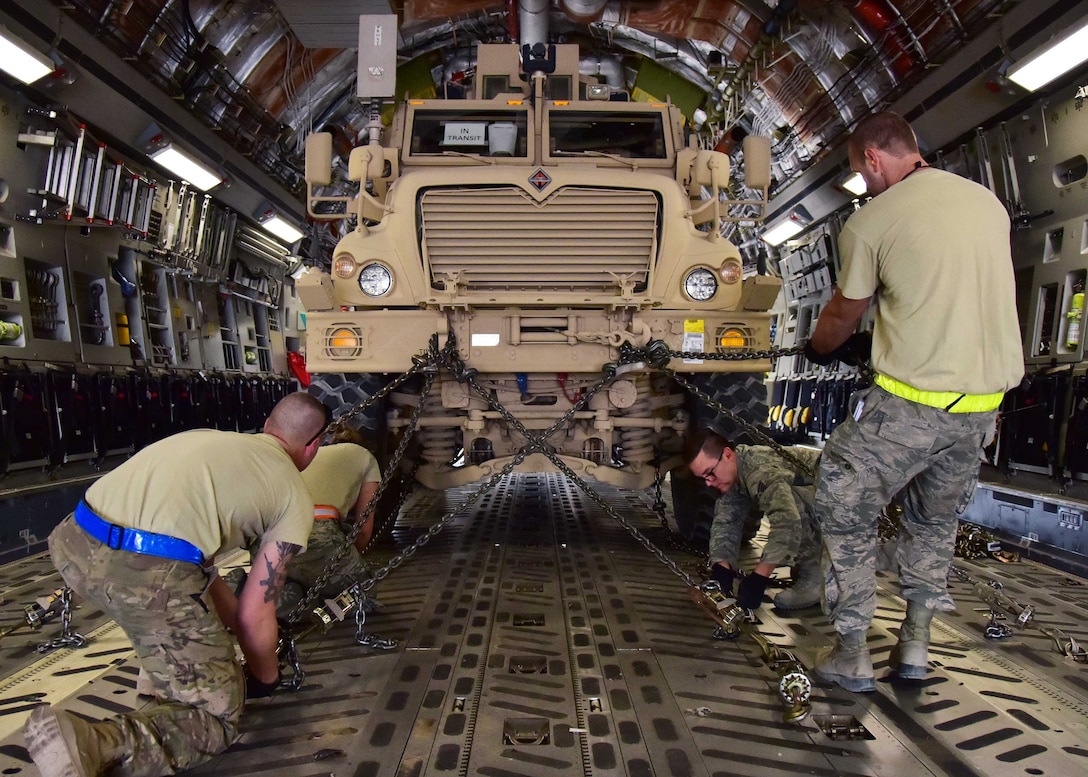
(732, 338)
(344, 265)
(343, 342)
(732, 272)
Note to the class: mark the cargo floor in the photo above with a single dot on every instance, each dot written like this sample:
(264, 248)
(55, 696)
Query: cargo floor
(536, 636)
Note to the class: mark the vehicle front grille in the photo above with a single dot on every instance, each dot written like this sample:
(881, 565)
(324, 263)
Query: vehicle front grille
(579, 239)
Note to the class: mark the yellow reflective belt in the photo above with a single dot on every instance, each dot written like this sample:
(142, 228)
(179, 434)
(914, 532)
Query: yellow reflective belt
(952, 401)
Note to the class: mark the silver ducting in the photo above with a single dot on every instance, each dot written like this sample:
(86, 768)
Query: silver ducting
(533, 21)
(584, 11)
(326, 84)
(608, 68)
(461, 62)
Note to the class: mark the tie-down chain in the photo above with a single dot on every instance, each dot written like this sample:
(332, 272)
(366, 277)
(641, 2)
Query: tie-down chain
(1000, 607)
(334, 609)
(794, 686)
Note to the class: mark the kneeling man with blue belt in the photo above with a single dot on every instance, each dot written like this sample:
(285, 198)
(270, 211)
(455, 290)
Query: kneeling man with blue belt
(140, 546)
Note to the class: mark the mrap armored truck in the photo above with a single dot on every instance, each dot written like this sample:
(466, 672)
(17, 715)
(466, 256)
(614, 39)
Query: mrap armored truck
(544, 225)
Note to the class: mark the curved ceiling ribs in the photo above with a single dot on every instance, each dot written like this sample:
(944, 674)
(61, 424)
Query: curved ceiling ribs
(802, 71)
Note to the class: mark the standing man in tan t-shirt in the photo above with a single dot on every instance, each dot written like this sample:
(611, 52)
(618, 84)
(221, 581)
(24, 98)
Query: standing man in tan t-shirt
(933, 249)
(141, 545)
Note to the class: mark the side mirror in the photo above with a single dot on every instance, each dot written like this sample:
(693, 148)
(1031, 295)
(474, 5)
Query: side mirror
(757, 162)
(319, 159)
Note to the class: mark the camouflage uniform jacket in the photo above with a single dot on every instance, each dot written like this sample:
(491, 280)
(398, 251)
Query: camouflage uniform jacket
(781, 493)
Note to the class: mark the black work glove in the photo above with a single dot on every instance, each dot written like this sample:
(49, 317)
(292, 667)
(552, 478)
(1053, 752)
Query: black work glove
(857, 350)
(750, 591)
(258, 689)
(725, 577)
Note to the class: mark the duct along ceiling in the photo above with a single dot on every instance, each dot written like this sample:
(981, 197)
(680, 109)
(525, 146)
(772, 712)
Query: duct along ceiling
(259, 75)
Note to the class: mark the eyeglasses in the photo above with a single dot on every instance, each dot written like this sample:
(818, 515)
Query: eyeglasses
(710, 472)
(324, 427)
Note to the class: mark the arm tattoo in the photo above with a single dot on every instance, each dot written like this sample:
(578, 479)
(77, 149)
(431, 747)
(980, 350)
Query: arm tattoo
(276, 573)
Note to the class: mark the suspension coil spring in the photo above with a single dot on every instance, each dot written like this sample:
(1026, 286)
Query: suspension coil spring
(637, 443)
(439, 443)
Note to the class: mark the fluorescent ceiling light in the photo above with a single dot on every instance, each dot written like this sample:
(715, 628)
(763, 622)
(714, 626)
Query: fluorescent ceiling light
(185, 167)
(1053, 59)
(20, 59)
(780, 233)
(854, 184)
(282, 229)
(796, 221)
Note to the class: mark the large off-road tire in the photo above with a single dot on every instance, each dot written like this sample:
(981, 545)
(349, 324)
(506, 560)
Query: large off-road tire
(344, 391)
(693, 508)
(693, 502)
(744, 393)
(341, 392)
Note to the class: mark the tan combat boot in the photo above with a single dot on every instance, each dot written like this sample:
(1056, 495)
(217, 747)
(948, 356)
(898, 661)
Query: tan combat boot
(848, 663)
(910, 656)
(64, 745)
(806, 590)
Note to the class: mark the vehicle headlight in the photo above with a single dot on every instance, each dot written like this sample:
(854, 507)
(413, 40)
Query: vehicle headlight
(700, 284)
(343, 266)
(375, 280)
(732, 271)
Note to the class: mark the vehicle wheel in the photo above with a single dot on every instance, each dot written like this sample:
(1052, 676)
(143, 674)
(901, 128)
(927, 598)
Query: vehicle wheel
(744, 393)
(693, 511)
(693, 508)
(343, 391)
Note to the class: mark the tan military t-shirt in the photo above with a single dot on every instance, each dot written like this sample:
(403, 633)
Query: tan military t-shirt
(935, 250)
(336, 474)
(217, 490)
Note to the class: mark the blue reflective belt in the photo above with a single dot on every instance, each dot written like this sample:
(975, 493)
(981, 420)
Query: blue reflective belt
(134, 540)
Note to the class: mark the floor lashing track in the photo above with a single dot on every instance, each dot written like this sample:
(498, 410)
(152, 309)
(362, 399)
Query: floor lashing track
(537, 637)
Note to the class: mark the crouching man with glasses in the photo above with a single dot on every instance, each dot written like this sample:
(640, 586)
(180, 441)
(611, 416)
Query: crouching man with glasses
(759, 475)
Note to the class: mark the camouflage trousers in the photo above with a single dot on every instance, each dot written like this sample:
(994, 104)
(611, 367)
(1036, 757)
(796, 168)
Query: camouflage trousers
(183, 647)
(894, 444)
(326, 540)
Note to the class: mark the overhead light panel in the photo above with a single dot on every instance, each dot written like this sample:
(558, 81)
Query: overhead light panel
(1056, 58)
(21, 60)
(795, 222)
(279, 226)
(855, 184)
(185, 167)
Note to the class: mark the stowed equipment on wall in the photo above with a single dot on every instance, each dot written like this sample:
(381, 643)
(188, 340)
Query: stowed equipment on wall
(130, 307)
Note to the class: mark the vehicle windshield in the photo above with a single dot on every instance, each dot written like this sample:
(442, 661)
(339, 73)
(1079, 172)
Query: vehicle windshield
(632, 134)
(482, 132)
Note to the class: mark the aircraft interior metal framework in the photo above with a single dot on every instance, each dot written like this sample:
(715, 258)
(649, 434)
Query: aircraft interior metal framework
(527, 248)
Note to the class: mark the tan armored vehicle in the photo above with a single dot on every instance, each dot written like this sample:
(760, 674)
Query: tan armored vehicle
(543, 225)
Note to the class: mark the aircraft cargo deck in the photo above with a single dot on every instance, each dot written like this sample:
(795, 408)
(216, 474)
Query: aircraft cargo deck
(536, 636)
